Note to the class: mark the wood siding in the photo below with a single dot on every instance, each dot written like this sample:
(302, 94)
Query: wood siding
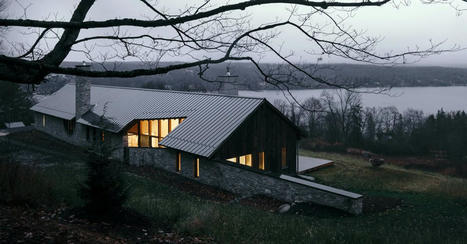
(266, 131)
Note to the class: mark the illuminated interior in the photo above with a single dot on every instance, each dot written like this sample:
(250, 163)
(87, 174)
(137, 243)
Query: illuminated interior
(179, 162)
(149, 133)
(261, 161)
(243, 160)
(196, 168)
(233, 160)
(133, 136)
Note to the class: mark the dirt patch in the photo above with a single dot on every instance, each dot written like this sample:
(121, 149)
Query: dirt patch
(20, 224)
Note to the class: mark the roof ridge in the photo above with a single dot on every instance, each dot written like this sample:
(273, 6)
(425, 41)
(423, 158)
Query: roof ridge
(170, 91)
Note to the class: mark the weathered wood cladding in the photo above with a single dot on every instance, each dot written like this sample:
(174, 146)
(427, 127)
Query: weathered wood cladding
(263, 131)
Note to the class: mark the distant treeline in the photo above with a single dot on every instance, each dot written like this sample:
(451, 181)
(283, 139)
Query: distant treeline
(249, 78)
(338, 121)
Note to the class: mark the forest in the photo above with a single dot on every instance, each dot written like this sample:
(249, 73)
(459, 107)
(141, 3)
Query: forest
(338, 120)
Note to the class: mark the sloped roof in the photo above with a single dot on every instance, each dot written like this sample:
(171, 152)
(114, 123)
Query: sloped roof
(210, 118)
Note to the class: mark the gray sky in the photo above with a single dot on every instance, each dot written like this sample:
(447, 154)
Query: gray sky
(403, 27)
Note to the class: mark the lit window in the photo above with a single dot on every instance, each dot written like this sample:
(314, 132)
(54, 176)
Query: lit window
(173, 124)
(164, 127)
(43, 120)
(154, 127)
(196, 168)
(178, 165)
(133, 136)
(144, 133)
(102, 136)
(233, 160)
(284, 158)
(261, 161)
(246, 160)
(154, 142)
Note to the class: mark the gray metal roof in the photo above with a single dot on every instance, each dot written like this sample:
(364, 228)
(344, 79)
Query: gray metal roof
(210, 118)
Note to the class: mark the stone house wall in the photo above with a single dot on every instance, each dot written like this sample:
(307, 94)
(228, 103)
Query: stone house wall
(55, 127)
(240, 180)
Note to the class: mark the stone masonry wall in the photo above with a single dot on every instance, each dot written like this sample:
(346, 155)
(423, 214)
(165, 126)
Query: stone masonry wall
(242, 181)
(54, 126)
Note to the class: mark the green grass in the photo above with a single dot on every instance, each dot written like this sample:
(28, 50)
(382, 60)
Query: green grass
(434, 208)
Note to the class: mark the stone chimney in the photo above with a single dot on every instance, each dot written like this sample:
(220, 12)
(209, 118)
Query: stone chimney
(82, 92)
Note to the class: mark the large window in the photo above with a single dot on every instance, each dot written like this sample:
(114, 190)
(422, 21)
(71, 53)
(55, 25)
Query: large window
(149, 133)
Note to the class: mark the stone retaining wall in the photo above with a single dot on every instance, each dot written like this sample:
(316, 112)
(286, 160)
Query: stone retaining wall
(240, 180)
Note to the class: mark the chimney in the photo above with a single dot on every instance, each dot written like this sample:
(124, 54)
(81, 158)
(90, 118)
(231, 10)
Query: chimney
(82, 92)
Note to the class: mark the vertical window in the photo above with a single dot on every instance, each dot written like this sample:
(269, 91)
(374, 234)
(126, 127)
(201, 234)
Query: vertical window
(174, 123)
(102, 136)
(246, 160)
(178, 165)
(133, 136)
(284, 158)
(164, 127)
(144, 133)
(43, 120)
(233, 160)
(261, 161)
(196, 168)
(154, 131)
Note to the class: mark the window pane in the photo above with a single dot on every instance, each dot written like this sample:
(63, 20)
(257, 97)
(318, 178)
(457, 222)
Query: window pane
(173, 123)
(144, 141)
(178, 162)
(261, 161)
(242, 160)
(132, 140)
(154, 142)
(154, 124)
(233, 160)
(132, 136)
(144, 127)
(248, 161)
(164, 127)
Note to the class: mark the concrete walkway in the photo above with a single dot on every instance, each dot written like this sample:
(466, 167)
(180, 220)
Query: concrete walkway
(308, 164)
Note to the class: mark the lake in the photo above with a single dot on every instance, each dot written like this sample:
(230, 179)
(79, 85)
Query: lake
(427, 99)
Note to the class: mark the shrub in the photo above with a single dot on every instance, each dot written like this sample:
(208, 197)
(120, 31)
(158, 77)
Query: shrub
(104, 191)
(21, 184)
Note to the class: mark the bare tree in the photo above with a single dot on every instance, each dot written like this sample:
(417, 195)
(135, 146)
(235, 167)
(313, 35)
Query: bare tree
(204, 33)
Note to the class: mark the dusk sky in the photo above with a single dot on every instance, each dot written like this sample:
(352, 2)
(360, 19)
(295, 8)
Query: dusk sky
(401, 27)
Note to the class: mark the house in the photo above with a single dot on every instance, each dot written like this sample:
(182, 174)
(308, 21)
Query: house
(241, 144)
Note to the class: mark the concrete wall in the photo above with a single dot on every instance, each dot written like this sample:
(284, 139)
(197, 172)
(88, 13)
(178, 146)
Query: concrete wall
(238, 179)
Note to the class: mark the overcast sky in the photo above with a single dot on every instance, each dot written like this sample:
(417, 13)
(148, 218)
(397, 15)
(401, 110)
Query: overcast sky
(401, 27)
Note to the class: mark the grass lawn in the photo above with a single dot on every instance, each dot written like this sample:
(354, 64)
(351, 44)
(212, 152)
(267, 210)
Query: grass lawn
(433, 208)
